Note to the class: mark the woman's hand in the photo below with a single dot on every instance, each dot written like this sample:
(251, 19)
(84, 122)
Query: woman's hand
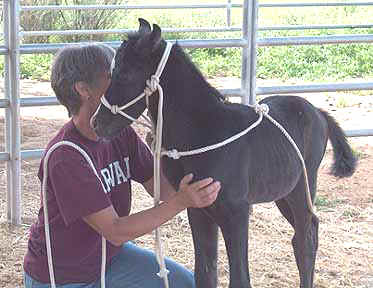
(198, 194)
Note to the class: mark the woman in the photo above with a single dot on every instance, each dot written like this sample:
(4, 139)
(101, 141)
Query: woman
(82, 208)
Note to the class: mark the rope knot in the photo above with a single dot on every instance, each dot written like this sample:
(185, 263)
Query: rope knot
(154, 79)
(163, 273)
(174, 154)
(151, 85)
(114, 109)
(261, 109)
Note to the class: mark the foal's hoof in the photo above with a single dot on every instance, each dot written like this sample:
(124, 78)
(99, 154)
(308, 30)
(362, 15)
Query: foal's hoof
(251, 209)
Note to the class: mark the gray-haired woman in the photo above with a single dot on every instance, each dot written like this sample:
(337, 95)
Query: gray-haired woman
(82, 208)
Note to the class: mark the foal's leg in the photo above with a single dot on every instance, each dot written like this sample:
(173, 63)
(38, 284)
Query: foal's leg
(205, 239)
(305, 223)
(235, 233)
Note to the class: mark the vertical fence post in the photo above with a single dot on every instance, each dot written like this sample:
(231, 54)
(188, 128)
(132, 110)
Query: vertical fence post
(7, 96)
(249, 31)
(229, 13)
(13, 143)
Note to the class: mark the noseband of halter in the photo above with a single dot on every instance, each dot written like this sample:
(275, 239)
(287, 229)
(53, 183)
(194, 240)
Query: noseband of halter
(152, 85)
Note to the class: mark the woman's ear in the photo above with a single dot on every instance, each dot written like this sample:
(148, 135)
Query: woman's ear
(83, 89)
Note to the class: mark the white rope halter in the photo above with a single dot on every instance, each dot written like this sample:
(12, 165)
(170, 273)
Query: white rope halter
(152, 85)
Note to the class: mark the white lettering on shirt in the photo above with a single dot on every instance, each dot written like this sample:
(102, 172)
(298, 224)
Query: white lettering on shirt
(127, 162)
(119, 173)
(114, 174)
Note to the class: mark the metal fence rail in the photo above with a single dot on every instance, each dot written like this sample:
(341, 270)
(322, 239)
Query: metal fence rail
(316, 4)
(194, 6)
(130, 7)
(248, 42)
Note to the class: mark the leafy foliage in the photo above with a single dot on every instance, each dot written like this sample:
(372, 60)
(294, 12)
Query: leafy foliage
(68, 20)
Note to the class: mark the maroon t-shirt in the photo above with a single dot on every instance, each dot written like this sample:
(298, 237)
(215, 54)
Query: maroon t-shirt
(74, 191)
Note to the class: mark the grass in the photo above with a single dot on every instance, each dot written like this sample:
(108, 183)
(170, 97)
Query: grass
(323, 202)
(360, 154)
(342, 102)
(322, 63)
(350, 213)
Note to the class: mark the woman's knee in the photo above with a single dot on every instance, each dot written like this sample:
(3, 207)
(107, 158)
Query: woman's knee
(179, 276)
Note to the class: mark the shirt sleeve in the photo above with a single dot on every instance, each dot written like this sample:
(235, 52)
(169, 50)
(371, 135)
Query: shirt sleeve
(77, 189)
(141, 158)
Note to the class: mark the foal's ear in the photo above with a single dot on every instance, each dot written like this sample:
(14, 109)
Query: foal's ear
(149, 42)
(155, 37)
(144, 26)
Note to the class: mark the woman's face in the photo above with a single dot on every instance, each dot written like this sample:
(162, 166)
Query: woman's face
(99, 89)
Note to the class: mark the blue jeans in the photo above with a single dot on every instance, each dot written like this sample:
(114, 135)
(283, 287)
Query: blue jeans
(133, 267)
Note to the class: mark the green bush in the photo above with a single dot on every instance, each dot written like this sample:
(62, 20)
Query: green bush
(36, 66)
(69, 20)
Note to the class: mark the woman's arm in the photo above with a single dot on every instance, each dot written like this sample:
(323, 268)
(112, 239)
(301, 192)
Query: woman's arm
(119, 230)
(167, 190)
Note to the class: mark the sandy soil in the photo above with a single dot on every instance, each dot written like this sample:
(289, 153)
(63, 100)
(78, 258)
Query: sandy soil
(345, 207)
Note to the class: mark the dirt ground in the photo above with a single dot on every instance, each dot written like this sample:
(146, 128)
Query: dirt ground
(344, 207)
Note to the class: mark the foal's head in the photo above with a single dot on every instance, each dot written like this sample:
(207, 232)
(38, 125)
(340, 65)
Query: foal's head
(134, 63)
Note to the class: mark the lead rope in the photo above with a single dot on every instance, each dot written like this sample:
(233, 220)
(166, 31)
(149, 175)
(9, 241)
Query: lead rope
(151, 87)
(45, 209)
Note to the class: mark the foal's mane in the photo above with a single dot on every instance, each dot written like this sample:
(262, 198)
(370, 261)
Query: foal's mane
(189, 67)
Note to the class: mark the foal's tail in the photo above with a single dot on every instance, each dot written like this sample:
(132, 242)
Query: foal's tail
(344, 159)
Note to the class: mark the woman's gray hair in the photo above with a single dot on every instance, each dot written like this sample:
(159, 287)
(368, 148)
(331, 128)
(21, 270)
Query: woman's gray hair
(72, 64)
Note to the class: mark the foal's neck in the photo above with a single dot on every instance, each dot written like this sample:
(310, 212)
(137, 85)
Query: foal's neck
(185, 89)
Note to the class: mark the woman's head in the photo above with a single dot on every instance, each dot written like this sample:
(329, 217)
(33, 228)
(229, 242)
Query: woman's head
(86, 63)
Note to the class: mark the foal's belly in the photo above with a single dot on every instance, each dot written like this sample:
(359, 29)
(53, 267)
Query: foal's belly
(272, 187)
